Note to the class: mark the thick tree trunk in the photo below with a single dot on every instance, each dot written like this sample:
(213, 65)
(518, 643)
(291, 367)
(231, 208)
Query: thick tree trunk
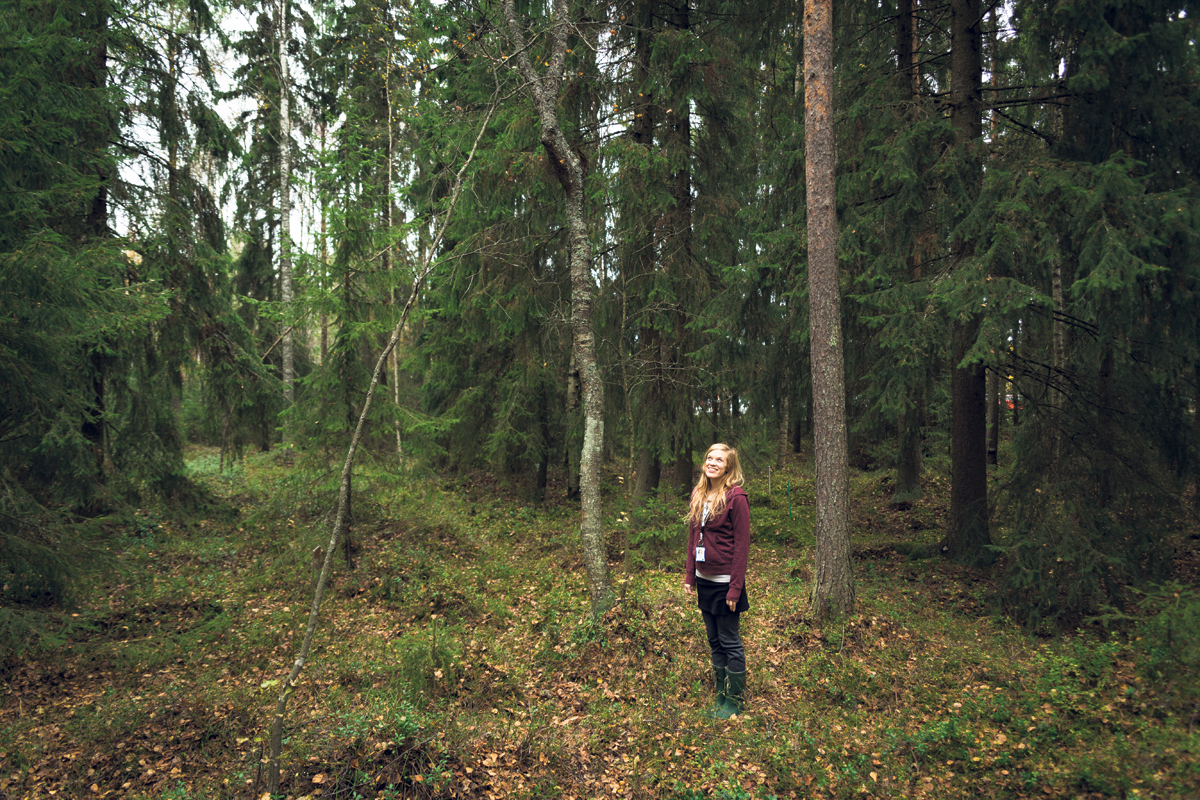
(967, 536)
(911, 462)
(682, 478)
(543, 89)
(833, 584)
(649, 472)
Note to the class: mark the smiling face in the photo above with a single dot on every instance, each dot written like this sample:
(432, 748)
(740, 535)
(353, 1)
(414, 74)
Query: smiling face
(715, 464)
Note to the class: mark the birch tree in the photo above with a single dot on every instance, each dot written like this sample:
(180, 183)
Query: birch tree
(543, 89)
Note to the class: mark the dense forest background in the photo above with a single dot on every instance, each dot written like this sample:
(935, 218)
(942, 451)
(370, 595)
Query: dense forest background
(525, 262)
(1017, 203)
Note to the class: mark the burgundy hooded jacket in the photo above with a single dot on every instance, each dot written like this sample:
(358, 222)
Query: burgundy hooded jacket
(726, 543)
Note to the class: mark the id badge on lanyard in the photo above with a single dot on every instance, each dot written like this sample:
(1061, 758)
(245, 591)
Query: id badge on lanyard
(700, 546)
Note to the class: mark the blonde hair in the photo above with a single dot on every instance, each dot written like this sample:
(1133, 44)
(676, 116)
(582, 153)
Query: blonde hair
(704, 487)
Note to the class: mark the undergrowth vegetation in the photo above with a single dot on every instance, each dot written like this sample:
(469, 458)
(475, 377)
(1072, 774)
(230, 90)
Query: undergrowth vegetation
(458, 660)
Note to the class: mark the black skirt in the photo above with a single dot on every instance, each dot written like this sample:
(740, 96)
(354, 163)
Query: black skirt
(710, 596)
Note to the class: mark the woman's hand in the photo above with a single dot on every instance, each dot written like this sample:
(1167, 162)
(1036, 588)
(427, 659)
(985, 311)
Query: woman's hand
(689, 589)
(731, 603)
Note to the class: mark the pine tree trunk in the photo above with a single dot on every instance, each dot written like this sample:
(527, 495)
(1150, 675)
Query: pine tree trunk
(833, 584)
(543, 89)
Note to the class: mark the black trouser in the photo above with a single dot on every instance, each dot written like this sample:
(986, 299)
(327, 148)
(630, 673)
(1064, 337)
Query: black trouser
(725, 641)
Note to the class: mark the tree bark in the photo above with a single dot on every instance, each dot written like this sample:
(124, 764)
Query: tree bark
(573, 451)
(910, 461)
(993, 417)
(640, 258)
(833, 584)
(967, 537)
(681, 476)
(285, 225)
(543, 90)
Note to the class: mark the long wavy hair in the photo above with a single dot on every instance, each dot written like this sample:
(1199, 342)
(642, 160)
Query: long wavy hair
(704, 487)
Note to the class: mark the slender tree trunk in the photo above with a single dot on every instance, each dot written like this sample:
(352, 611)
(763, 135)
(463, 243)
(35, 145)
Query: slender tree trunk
(993, 416)
(94, 426)
(651, 347)
(905, 41)
(389, 255)
(833, 584)
(1058, 361)
(647, 469)
(324, 258)
(910, 464)
(1016, 396)
(543, 89)
(783, 443)
(285, 224)
(677, 250)
(1196, 433)
(574, 454)
(910, 461)
(1104, 427)
(798, 81)
(994, 383)
(275, 733)
(798, 430)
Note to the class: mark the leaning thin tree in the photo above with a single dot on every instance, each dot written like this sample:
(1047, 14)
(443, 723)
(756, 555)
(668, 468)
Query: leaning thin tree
(289, 683)
(833, 586)
(543, 90)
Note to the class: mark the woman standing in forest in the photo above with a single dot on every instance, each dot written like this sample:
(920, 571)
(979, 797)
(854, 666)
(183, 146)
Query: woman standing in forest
(718, 545)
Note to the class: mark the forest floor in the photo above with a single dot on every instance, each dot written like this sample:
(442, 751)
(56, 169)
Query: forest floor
(457, 660)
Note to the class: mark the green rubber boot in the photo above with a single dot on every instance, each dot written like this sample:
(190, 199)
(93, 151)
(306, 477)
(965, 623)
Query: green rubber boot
(735, 695)
(719, 700)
